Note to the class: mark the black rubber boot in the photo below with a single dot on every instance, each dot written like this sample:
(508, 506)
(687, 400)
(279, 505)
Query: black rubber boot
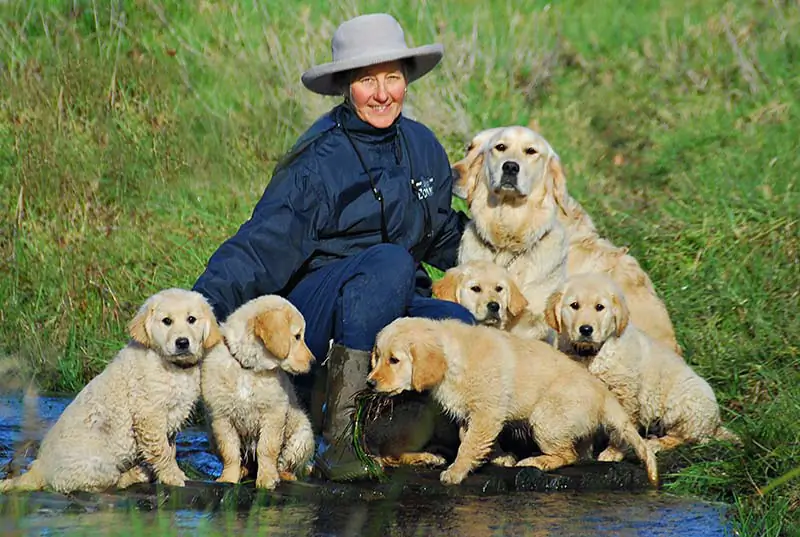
(347, 374)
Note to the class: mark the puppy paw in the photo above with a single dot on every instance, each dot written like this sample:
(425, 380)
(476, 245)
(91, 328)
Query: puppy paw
(175, 478)
(451, 477)
(611, 454)
(506, 461)
(267, 480)
(229, 476)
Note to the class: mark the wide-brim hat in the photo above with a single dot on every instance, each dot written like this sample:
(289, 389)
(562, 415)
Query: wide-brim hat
(369, 40)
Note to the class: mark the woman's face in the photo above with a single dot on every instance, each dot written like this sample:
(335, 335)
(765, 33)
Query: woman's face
(377, 93)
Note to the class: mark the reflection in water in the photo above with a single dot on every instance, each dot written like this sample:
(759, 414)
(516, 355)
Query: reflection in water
(529, 514)
(524, 513)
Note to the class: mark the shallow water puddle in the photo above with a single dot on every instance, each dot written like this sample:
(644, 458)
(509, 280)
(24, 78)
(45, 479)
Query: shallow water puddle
(411, 504)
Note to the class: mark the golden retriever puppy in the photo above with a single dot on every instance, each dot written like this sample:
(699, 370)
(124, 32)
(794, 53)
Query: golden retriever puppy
(514, 216)
(486, 378)
(653, 383)
(121, 427)
(489, 292)
(587, 250)
(248, 394)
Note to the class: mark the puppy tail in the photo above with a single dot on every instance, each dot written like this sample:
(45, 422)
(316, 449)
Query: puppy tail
(29, 481)
(726, 435)
(619, 420)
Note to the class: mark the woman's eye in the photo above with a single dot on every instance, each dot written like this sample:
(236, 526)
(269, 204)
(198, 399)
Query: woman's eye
(599, 307)
(166, 321)
(191, 319)
(575, 305)
(475, 288)
(394, 360)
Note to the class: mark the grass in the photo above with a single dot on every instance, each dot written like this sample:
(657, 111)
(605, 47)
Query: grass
(136, 136)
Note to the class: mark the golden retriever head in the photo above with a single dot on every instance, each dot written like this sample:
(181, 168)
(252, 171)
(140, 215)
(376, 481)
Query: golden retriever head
(486, 289)
(408, 355)
(588, 311)
(465, 171)
(266, 333)
(517, 162)
(178, 324)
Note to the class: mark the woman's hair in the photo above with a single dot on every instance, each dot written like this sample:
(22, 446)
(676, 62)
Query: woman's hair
(343, 79)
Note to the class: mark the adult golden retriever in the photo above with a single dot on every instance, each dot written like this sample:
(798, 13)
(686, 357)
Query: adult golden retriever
(587, 250)
(653, 383)
(486, 378)
(248, 394)
(489, 292)
(514, 216)
(121, 427)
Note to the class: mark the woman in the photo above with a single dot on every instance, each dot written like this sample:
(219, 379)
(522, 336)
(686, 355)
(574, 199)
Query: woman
(350, 213)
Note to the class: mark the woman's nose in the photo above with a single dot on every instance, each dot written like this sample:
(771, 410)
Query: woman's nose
(380, 93)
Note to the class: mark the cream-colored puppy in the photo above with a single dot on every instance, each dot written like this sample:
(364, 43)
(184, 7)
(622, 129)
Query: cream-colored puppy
(485, 378)
(587, 250)
(249, 396)
(653, 383)
(489, 292)
(514, 216)
(121, 427)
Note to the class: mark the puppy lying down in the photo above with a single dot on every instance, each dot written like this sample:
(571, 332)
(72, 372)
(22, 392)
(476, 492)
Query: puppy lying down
(485, 378)
(252, 405)
(120, 429)
(653, 383)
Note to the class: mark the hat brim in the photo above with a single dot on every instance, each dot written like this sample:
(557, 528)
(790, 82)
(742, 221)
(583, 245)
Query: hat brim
(321, 78)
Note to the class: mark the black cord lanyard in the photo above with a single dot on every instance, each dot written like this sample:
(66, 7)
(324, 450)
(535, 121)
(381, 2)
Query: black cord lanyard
(375, 192)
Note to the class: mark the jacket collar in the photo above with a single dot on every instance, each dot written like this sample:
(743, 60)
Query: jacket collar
(360, 129)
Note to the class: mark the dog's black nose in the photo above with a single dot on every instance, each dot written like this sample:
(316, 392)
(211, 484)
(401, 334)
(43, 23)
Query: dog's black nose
(182, 343)
(371, 383)
(493, 307)
(586, 330)
(510, 167)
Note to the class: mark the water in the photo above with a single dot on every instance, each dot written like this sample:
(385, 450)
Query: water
(333, 513)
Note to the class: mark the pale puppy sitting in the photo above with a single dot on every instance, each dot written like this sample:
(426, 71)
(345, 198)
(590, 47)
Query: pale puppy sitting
(249, 396)
(653, 383)
(121, 427)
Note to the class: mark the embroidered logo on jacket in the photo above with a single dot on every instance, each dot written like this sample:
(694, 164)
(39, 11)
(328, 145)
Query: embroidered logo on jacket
(422, 187)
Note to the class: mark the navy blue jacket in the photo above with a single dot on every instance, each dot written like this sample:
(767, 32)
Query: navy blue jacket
(319, 207)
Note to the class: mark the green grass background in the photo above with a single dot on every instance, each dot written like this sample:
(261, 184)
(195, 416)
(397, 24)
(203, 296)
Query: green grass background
(136, 136)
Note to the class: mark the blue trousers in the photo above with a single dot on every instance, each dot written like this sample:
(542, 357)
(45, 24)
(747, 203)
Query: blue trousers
(351, 300)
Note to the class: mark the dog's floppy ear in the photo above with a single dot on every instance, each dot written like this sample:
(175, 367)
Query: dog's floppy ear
(446, 288)
(552, 310)
(139, 327)
(557, 185)
(517, 303)
(465, 178)
(211, 331)
(621, 313)
(273, 328)
(428, 362)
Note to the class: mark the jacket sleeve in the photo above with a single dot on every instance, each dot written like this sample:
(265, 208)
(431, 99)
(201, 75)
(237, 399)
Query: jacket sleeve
(443, 253)
(268, 249)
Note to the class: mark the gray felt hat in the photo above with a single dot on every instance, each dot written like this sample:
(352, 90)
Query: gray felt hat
(369, 40)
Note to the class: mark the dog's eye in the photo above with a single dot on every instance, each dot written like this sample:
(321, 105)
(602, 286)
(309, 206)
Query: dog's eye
(470, 147)
(575, 305)
(191, 319)
(394, 360)
(297, 336)
(501, 147)
(530, 151)
(166, 321)
(499, 289)
(475, 288)
(599, 307)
